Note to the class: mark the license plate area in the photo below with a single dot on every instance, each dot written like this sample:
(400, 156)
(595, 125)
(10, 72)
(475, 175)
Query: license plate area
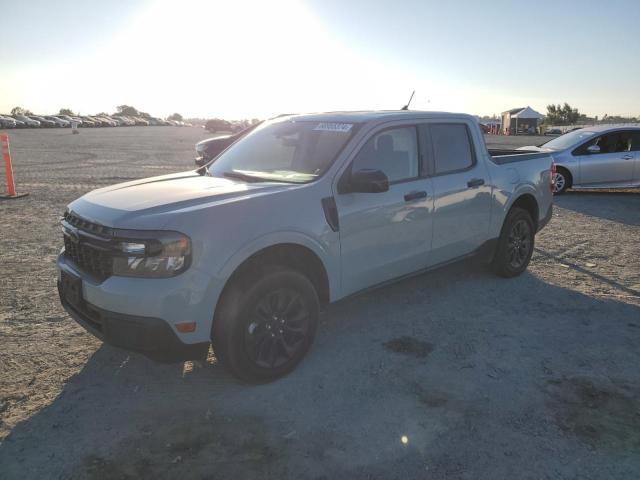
(71, 288)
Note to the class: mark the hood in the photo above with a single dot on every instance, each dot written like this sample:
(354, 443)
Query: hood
(213, 140)
(145, 203)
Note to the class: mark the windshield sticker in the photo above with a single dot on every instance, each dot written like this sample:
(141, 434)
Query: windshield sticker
(334, 127)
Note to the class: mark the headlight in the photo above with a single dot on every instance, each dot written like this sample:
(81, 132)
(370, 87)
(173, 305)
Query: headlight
(152, 255)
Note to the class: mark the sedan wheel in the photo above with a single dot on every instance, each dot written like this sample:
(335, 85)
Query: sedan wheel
(559, 183)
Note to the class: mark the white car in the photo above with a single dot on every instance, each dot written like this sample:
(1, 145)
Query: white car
(58, 121)
(29, 122)
(595, 157)
(302, 211)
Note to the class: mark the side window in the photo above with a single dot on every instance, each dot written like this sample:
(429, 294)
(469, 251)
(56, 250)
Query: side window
(635, 141)
(610, 143)
(394, 151)
(452, 149)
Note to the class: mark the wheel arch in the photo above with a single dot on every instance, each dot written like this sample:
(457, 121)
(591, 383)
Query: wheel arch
(293, 255)
(527, 201)
(317, 260)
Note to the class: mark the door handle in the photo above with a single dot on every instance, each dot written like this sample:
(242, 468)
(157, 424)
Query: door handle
(475, 182)
(415, 195)
(627, 157)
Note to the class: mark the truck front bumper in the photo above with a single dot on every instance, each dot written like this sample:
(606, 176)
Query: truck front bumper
(150, 336)
(140, 314)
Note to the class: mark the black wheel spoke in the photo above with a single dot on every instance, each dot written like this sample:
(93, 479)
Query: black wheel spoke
(278, 328)
(519, 243)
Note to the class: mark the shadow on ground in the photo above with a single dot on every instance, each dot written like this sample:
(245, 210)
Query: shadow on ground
(618, 206)
(453, 374)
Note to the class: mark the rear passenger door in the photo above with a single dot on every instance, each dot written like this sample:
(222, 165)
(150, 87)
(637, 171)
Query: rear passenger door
(462, 191)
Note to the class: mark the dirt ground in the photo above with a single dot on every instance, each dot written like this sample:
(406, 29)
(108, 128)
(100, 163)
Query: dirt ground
(455, 374)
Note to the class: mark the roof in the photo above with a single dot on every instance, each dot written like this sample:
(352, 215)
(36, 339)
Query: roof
(366, 116)
(607, 128)
(527, 113)
(523, 112)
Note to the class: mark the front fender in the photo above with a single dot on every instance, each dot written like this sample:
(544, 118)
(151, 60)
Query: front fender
(327, 250)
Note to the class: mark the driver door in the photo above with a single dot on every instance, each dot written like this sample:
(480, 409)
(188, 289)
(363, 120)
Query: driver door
(612, 165)
(386, 235)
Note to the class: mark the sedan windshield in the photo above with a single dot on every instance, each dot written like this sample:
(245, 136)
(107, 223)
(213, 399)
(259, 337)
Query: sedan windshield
(285, 151)
(568, 140)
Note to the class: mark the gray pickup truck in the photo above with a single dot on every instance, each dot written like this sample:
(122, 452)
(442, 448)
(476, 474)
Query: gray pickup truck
(302, 211)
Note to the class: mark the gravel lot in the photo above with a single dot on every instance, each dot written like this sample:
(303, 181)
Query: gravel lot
(484, 378)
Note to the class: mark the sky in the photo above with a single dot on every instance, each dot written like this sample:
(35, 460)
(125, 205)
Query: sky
(255, 59)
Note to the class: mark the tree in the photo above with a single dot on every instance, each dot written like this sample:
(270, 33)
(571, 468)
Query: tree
(127, 110)
(562, 114)
(175, 116)
(65, 111)
(20, 111)
(145, 115)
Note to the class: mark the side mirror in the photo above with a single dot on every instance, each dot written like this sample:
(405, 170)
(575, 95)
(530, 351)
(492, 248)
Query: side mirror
(593, 149)
(368, 181)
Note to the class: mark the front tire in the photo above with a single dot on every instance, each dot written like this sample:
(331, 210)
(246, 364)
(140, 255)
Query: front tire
(515, 245)
(266, 323)
(561, 181)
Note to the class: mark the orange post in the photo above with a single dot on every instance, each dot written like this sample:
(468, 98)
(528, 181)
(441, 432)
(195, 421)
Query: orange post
(6, 154)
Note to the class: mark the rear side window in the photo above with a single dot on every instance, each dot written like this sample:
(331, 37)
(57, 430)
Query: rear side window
(635, 141)
(451, 147)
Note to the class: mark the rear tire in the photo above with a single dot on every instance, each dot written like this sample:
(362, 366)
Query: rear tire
(515, 245)
(266, 323)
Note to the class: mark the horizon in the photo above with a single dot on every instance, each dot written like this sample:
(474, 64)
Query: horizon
(251, 60)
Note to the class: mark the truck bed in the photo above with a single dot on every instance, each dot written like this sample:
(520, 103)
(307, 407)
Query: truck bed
(502, 156)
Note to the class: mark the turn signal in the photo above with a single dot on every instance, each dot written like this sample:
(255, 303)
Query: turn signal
(186, 327)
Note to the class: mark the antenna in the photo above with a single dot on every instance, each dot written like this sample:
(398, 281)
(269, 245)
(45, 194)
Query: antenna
(406, 107)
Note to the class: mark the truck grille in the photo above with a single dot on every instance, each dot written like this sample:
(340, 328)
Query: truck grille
(89, 254)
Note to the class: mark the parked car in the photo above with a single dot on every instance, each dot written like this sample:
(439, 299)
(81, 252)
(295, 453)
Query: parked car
(216, 125)
(19, 123)
(7, 122)
(63, 122)
(29, 122)
(107, 122)
(88, 122)
(595, 157)
(58, 121)
(127, 122)
(553, 131)
(208, 149)
(43, 121)
(67, 118)
(140, 121)
(305, 210)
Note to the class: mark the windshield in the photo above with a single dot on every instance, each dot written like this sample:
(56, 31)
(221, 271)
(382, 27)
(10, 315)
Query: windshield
(286, 151)
(568, 139)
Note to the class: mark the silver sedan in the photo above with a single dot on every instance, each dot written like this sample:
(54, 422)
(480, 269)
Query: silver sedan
(595, 157)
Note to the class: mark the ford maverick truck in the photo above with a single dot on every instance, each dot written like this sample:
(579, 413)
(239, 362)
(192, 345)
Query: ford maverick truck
(304, 210)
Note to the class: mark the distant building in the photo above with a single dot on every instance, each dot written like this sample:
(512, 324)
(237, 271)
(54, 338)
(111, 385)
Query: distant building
(520, 121)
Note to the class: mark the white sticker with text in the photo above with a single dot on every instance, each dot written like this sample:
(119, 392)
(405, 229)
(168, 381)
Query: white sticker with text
(334, 127)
